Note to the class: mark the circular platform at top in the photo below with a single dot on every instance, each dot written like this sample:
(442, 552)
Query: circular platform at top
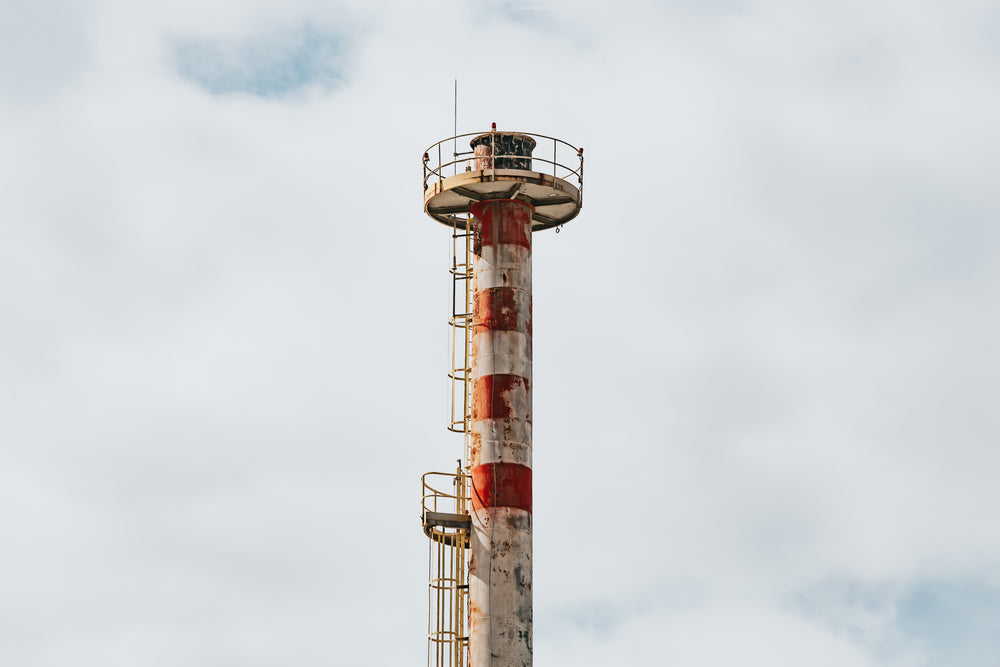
(479, 175)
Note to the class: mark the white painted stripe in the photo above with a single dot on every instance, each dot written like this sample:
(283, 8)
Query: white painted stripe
(493, 441)
(501, 353)
(514, 431)
(518, 278)
(505, 255)
(500, 587)
(504, 266)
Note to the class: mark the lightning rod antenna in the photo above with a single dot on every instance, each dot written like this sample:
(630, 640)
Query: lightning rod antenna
(454, 144)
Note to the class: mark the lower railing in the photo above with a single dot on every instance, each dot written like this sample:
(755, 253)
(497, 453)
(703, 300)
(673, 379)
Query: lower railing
(445, 518)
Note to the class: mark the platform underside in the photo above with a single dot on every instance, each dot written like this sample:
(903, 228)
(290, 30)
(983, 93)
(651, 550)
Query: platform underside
(555, 201)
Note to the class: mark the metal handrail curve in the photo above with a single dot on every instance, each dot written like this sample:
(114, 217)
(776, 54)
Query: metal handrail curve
(456, 503)
(437, 169)
(430, 495)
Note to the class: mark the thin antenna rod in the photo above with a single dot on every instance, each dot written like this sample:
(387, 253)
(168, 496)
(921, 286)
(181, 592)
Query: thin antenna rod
(454, 142)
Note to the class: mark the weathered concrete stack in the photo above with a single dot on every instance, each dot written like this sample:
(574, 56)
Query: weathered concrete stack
(500, 545)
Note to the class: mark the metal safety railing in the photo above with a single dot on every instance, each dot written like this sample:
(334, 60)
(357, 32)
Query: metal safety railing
(446, 521)
(556, 157)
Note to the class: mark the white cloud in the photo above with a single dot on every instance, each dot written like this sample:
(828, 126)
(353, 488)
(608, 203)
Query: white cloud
(763, 352)
(272, 66)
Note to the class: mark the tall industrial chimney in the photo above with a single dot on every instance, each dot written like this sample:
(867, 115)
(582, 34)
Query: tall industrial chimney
(493, 197)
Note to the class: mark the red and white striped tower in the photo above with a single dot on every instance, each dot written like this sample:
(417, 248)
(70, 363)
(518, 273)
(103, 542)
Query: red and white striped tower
(500, 545)
(507, 200)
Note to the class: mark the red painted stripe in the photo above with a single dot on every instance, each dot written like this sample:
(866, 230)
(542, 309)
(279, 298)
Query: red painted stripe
(501, 309)
(501, 485)
(492, 394)
(502, 221)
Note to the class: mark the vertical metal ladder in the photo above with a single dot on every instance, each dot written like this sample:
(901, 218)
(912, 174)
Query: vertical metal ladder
(444, 511)
(461, 331)
(447, 523)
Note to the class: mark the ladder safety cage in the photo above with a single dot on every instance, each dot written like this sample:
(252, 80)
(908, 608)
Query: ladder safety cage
(446, 521)
(460, 325)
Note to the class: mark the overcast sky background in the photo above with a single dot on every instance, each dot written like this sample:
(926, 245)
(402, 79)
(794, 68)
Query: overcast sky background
(765, 353)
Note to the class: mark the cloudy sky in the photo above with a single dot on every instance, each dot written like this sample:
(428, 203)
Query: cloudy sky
(765, 366)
